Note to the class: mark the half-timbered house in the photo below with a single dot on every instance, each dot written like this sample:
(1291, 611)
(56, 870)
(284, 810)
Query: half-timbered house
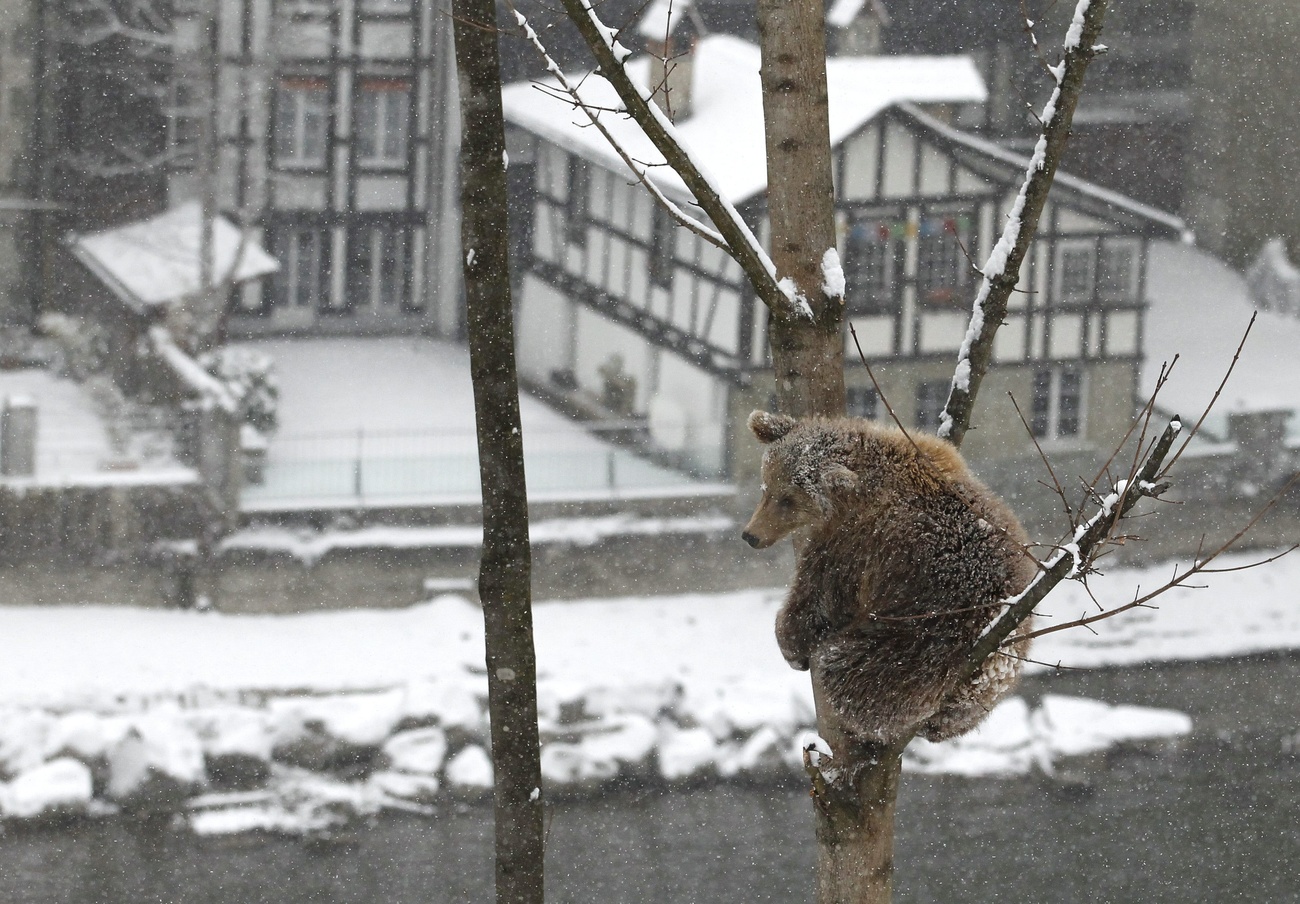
(618, 301)
(336, 141)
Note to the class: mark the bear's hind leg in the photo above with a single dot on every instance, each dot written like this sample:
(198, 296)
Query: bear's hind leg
(876, 683)
(968, 705)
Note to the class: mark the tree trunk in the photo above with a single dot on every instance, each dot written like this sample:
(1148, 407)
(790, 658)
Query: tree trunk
(505, 569)
(807, 356)
(854, 798)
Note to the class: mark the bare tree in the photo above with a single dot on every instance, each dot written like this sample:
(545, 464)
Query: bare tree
(505, 571)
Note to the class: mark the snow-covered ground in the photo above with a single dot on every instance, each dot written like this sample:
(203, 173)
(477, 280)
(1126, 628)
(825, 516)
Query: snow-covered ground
(405, 433)
(671, 688)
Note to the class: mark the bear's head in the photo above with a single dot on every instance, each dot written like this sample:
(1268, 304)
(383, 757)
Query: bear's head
(803, 474)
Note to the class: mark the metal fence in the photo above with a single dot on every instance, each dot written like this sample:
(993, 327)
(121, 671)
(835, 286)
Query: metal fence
(378, 468)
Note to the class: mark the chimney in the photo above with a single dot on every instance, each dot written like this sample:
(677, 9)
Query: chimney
(670, 29)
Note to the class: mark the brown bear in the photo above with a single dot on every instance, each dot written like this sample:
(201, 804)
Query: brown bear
(907, 559)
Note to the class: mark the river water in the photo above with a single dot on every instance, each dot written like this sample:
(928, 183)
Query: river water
(1212, 819)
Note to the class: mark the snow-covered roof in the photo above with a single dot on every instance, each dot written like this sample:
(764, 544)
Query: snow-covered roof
(156, 260)
(1019, 162)
(725, 131)
(1198, 308)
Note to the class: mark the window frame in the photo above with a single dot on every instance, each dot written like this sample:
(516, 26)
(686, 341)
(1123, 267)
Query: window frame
(381, 122)
(1058, 404)
(1108, 287)
(875, 258)
(663, 247)
(577, 201)
(287, 284)
(295, 131)
(862, 401)
(1085, 252)
(955, 232)
(927, 393)
(378, 276)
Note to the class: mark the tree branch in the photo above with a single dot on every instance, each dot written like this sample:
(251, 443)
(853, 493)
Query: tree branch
(638, 169)
(1074, 557)
(1002, 271)
(742, 244)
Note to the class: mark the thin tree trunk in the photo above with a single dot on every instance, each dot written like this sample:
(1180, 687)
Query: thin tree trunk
(808, 357)
(505, 570)
(854, 798)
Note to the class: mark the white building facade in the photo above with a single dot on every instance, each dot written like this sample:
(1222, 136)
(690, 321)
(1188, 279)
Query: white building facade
(611, 285)
(335, 143)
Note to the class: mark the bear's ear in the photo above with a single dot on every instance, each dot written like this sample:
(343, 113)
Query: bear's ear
(770, 427)
(838, 477)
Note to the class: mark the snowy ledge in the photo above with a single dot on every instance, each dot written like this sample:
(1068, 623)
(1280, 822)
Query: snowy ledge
(311, 546)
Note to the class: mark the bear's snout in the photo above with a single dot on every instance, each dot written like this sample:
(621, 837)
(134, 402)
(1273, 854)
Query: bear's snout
(751, 539)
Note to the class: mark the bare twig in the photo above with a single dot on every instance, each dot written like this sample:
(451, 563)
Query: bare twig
(1222, 383)
(880, 393)
(1056, 484)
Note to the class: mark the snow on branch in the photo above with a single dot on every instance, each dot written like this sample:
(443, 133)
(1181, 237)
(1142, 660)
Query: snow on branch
(1002, 270)
(741, 243)
(1072, 558)
(190, 372)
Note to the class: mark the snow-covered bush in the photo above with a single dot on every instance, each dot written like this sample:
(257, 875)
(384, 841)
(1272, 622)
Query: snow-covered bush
(1273, 281)
(250, 376)
(84, 347)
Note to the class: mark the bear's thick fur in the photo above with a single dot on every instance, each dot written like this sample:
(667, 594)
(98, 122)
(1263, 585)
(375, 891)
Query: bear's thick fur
(907, 558)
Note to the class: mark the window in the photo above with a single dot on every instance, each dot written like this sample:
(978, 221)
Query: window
(185, 121)
(931, 396)
(861, 401)
(1117, 272)
(303, 280)
(873, 260)
(1076, 272)
(662, 248)
(943, 273)
(577, 203)
(382, 120)
(377, 266)
(1057, 411)
(301, 121)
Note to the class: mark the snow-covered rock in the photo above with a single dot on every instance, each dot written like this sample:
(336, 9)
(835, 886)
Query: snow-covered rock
(606, 750)
(156, 765)
(363, 720)
(454, 705)
(470, 770)
(420, 751)
(405, 786)
(85, 735)
(738, 709)
(60, 786)
(1074, 726)
(760, 757)
(23, 739)
(687, 753)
